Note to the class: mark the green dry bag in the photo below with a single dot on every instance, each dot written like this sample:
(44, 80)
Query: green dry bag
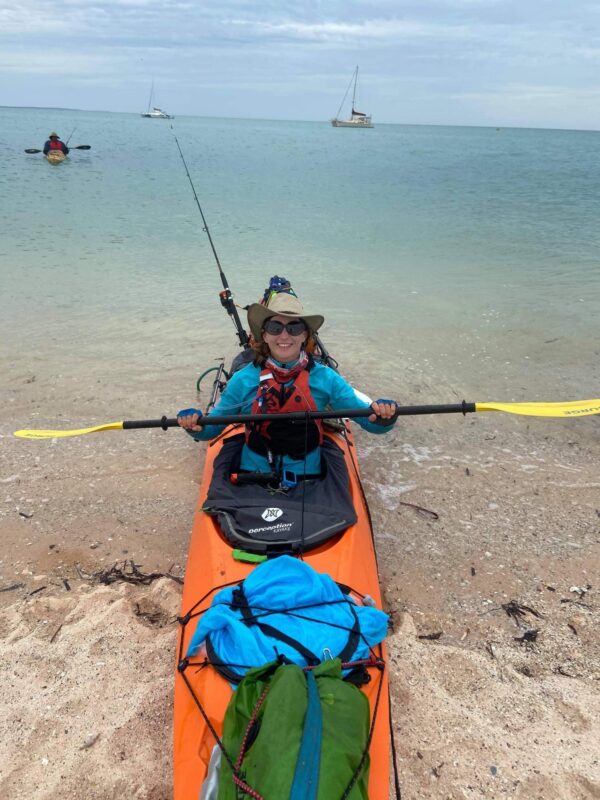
(301, 735)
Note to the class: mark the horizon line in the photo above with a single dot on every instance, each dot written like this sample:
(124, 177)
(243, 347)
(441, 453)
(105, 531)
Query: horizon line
(311, 121)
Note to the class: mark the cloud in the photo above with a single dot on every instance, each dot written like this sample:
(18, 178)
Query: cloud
(383, 29)
(418, 53)
(57, 63)
(72, 17)
(24, 18)
(531, 93)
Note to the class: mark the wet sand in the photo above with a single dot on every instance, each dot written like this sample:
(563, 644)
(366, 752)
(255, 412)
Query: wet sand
(485, 704)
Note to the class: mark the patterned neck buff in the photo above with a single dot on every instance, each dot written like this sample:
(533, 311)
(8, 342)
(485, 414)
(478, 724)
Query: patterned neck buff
(284, 374)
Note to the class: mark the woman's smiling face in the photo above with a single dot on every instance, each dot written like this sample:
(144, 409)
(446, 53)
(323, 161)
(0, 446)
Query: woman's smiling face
(283, 346)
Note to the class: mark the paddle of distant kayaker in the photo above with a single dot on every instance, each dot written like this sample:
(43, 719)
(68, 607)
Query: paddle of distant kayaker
(284, 377)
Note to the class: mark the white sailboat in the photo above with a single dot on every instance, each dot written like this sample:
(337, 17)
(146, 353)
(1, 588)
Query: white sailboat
(357, 118)
(157, 113)
(153, 112)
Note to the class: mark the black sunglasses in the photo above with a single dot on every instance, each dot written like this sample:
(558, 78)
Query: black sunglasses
(274, 327)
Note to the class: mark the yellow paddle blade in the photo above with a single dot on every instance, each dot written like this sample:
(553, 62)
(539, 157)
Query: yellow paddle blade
(575, 408)
(110, 426)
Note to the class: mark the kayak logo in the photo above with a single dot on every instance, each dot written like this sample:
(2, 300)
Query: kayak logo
(271, 514)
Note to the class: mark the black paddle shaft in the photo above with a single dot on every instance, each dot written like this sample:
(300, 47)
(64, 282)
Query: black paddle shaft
(77, 147)
(297, 416)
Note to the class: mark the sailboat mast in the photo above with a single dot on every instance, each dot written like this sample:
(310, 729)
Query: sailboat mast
(151, 94)
(357, 118)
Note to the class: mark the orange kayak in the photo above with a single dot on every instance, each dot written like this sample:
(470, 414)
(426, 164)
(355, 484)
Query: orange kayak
(202, 694)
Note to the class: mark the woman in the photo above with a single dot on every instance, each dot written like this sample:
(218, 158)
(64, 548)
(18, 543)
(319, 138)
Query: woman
(285, 377)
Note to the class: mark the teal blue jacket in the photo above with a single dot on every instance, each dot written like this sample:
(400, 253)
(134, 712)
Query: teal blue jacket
(328, 389)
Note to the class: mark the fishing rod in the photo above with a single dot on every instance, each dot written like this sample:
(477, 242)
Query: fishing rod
(226, 296)
(71, 134)
(326, 357)
(565, 410)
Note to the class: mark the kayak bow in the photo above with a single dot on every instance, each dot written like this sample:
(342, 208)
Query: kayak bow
(55, 157)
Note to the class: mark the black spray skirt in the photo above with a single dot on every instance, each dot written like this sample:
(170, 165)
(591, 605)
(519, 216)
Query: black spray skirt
(258, 519)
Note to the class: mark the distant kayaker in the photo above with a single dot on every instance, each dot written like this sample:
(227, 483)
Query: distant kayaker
(54, 143)
(284, 377)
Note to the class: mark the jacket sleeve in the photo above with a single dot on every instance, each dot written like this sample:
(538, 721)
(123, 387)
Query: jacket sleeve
(343, 395)
(47, 148)
(231, 402)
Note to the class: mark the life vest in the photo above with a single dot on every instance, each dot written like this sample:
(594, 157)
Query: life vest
(288, 437)
(56, 145)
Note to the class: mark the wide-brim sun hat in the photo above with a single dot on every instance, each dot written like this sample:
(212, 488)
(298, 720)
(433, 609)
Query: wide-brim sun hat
(281, 305)
(53, 135)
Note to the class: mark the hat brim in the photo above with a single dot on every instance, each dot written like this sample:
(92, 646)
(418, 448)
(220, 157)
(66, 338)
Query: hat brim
(257, 314)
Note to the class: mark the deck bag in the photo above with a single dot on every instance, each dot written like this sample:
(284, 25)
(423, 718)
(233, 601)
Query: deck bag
(258, 519)
(296, 735)
(285, 608)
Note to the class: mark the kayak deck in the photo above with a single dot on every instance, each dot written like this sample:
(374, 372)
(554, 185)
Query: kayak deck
(202, 694)
(55, 157)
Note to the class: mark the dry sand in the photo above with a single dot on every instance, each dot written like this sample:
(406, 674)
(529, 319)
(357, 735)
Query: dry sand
(485, 705)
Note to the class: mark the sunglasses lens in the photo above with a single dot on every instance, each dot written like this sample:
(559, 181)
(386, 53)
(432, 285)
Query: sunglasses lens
(293, 328)
(273, 327)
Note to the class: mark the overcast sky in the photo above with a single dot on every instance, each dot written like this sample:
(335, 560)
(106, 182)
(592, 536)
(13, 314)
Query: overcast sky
(532, 63)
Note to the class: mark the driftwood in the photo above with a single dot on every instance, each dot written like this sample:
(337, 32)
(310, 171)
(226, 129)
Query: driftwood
(127, 572)
(424, 512)
(55, 634)
(517, 612)
(12, 587)
(431, 637)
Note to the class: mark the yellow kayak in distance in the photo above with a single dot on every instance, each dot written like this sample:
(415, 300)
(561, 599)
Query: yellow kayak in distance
(55, 157)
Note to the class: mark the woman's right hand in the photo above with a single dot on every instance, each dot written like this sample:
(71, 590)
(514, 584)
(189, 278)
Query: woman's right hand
(188, 419)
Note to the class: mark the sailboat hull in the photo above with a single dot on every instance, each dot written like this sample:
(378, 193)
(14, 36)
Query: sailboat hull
(157, 114)
(363, 122)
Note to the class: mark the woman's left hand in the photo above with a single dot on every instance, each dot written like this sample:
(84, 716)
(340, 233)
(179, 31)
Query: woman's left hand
(383, 410)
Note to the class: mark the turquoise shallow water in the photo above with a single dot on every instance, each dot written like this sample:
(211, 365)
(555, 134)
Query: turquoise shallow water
(466, 261)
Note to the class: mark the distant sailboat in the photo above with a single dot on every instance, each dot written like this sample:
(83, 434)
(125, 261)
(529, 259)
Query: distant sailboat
(153, 112)
(357, 118)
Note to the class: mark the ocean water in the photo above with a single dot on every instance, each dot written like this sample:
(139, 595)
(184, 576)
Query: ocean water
(449, 262)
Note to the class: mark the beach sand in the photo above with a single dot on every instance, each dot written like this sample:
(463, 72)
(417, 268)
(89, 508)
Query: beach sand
(488, 702)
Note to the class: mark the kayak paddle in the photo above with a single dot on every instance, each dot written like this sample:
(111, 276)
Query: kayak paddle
(78, 147)
(574, 408)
